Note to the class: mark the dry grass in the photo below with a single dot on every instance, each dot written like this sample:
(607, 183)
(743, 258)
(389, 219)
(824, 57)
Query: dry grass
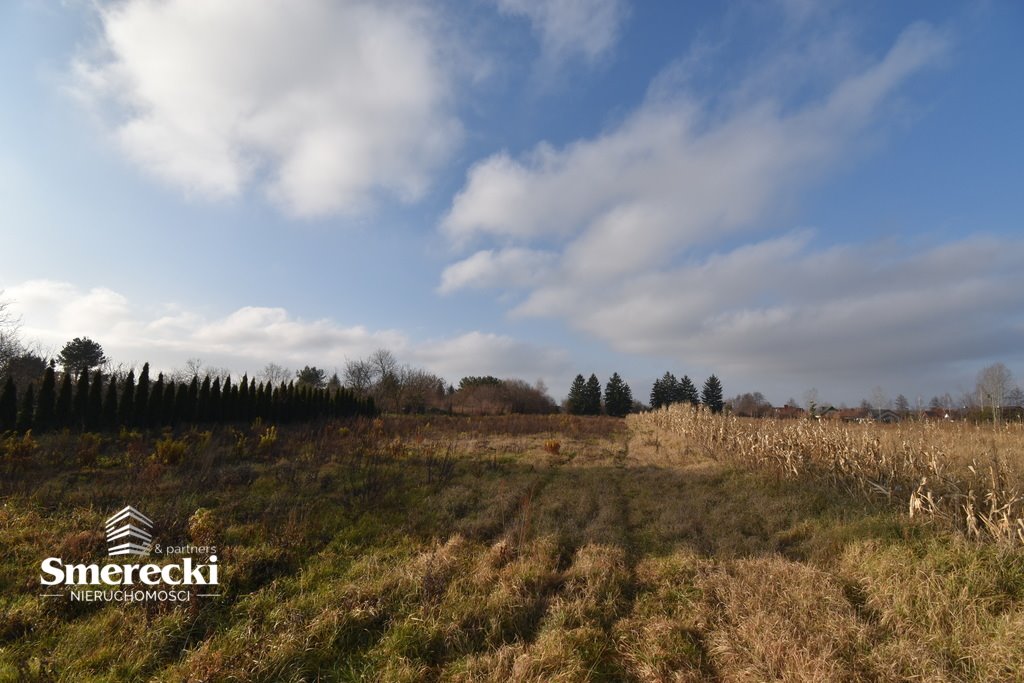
(415, 552)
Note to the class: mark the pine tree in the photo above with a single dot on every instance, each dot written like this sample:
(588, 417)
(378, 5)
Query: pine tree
(182, 409)
(62, 410)
(94, 413)
(215, 402)
(575, 404)
(81, 353)
(8, 406)
(126, 401)
(193, 399)
(688, 391)
(657, 394)
(109, 417)
(592, 396)
(618, 399)
(142, 394)
(44, 417)
(665, 391)
(677, 392)
(80, 410)
(28, 406)
(227, 405)
(242, 405)
(203, 405)
(168, 410)
(155, 405)
(711, 396)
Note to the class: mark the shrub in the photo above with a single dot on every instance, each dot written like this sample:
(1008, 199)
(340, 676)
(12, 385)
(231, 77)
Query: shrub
(169, 451)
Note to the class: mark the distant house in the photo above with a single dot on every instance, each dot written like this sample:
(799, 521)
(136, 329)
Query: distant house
(788, 412)
(886, 416)
(828, 413)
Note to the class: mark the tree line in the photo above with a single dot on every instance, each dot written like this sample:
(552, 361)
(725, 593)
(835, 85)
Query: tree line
(585, 397)
(668, 390)
(91, 400)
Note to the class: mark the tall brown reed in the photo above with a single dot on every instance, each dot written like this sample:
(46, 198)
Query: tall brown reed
(966, 475)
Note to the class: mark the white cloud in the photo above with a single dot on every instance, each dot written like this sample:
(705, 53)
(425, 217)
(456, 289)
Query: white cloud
(506, 268)
(479, 353)
(54, 312)
(781, 307)
(631, 215)
(324, 104)
(670, 176)
(588, 29)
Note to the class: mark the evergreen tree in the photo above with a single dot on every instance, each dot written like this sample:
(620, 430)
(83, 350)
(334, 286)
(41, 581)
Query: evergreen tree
(81, 352)
(168, 410)
(575, 404)
(312, 377)
(193, 399)
(109, 418)
(227, 404)
(242, 405)
(618, 399)
(44, 417)
(215, 404)
(182, 409)
(203, 405)
(62, 410)
(155, 405)
(94, 413)
(80, 410)
(657, 394)
(8, 406)
(28, 406)
(676, 393)
(142, 395)
(688, 391)
(665, 391)
(126, 401)
(711, 396)
(592, 396)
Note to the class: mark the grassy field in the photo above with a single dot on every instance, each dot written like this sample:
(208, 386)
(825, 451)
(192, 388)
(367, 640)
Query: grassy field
(506, 548)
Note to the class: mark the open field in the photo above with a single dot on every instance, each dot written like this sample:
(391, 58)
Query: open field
(507, 548)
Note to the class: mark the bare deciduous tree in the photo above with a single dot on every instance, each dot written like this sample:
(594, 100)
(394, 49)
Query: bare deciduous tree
(10, 343)
(275, 374)
(358, 376)
(419, 389)
(383, 363)
(994, 383)
(811, 400)
(879, 401)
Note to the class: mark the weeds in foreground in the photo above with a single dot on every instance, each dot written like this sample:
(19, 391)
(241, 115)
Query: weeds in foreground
(426, 549)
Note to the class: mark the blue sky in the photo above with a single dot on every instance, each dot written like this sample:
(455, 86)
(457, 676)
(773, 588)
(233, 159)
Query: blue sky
(790, 194)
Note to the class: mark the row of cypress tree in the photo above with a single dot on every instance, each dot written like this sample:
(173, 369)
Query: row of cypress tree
(98, 403)
(668, 390)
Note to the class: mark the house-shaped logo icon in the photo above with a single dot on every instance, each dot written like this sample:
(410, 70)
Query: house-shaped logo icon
(129, 532)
